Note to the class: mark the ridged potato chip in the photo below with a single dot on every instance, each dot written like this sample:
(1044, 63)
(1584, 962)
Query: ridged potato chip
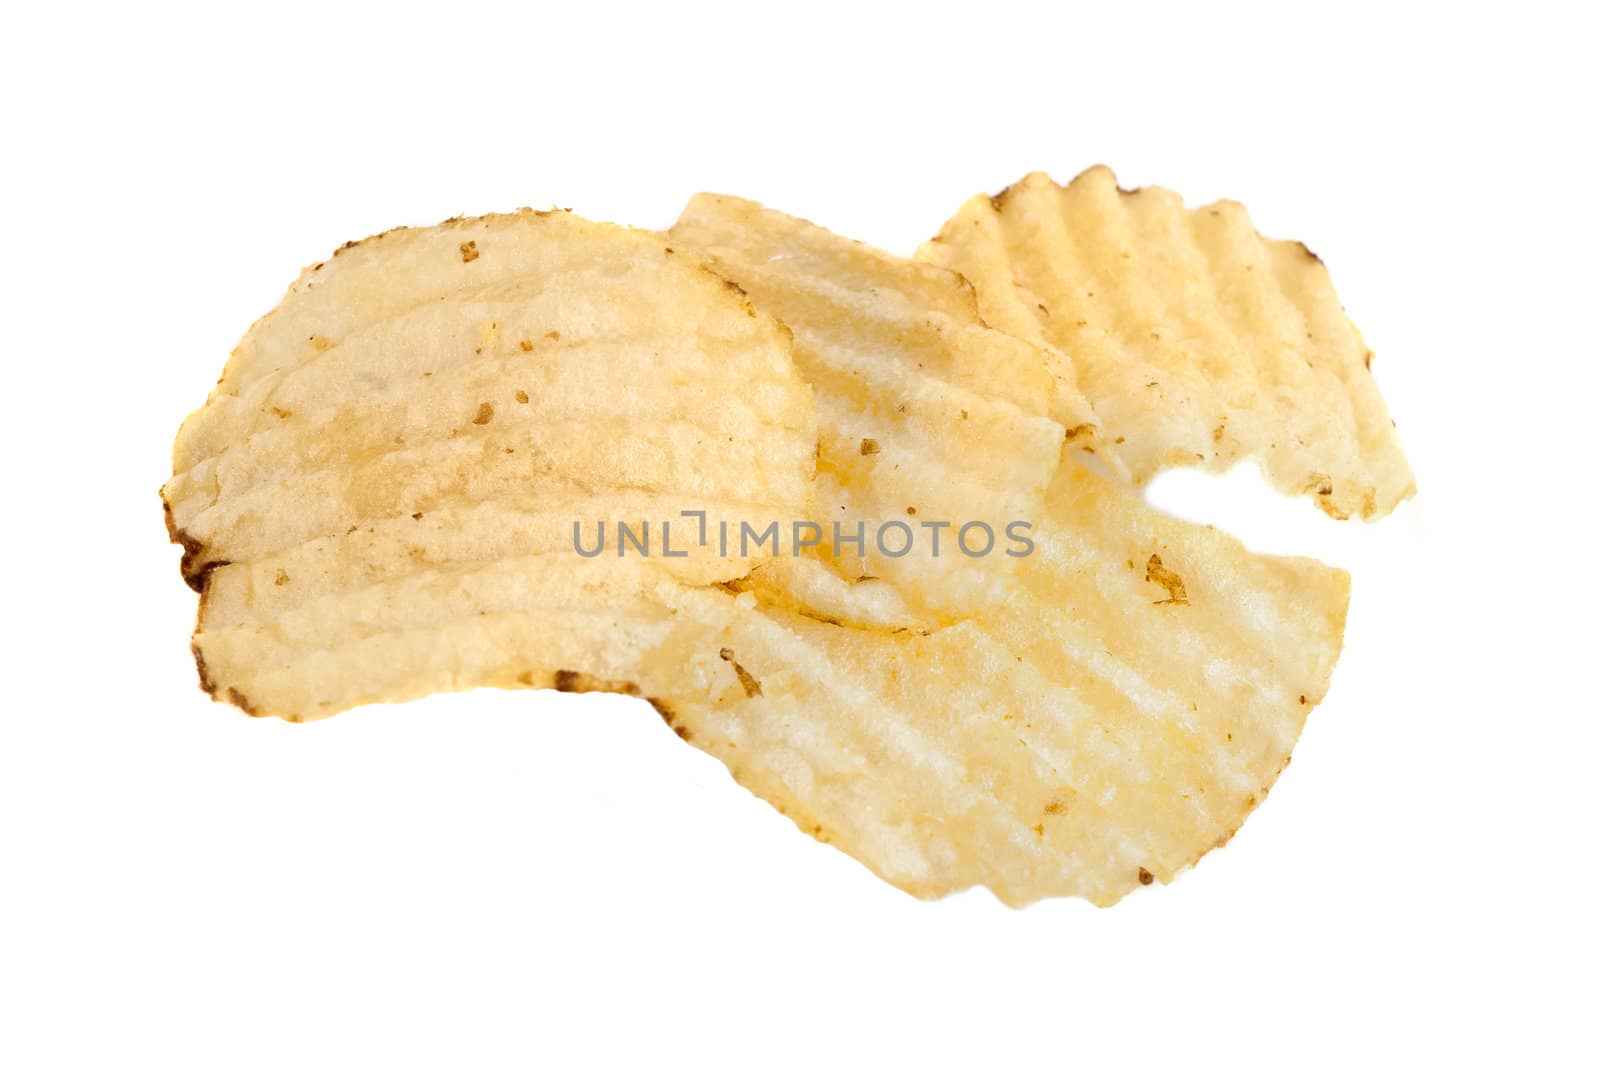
(400, 505)
(385, 509)
(1113, 714)
(396, 275)
(1119, 716)
(540, 622)
(1196, 340)
(927, 417)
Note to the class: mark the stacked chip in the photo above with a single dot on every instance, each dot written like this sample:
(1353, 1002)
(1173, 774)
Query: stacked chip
(954, 651)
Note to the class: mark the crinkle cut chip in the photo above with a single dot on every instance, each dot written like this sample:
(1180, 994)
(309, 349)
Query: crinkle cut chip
(927, 417)
(379, 500)
(1196, 340)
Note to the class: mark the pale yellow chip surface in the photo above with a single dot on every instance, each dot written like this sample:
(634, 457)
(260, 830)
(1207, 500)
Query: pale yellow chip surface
(540, 622)
(1121, 714)
(929, 420)
(1125, 696)
(550, 257)
(1196, 340)
(387, 514)
(398, 509)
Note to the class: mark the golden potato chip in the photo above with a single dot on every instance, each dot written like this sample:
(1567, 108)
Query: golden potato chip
(464, 536)
(542, 621)
(541, 314)
(933, 427)
(1197, 341)
(394, 509)
(1125, 698)
(412, 504)
(397, 273)
(1117, 717)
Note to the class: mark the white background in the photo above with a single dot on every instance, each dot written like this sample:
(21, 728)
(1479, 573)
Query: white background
(499, 878)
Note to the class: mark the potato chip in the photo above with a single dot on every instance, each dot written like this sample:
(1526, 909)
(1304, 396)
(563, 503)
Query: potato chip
(929, 420)
(541, 314)
(544, 621)
(1093, 734)
(384, 512)
(1197, 341)
(465, 536)
(1113, 714)
(397, 274)
(404, 506)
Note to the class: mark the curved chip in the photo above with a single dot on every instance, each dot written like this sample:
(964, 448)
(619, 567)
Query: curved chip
(400, 271)
(1092, 735)
(431, 492)
(392, 507)
(1196, 340)
(1116, 707)
(931, 423)
(539, 622)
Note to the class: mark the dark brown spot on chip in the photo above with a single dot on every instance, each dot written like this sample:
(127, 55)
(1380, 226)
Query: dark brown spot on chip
(230, 695)
(469, 251)
(752, 687)
(1145, 878)
(206, 682)
(580, 682)
(485, 413)
(194, 573)
(1157, 572)
(869, 447)
(668, 717)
